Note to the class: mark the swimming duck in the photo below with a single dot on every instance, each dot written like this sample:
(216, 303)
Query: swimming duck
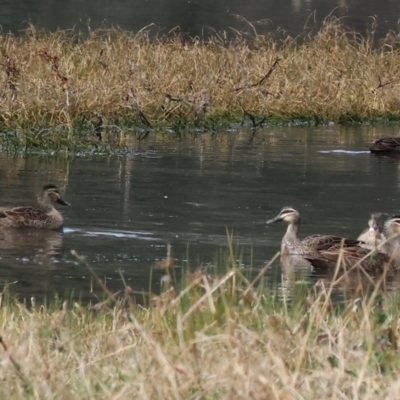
(46, 216)
(391, 232)
(386, 145)
(372, 236)
(324, 251)
(292, 245)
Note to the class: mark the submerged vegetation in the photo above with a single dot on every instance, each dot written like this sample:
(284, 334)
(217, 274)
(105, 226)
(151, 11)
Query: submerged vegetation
(205, 337)
(64, 91)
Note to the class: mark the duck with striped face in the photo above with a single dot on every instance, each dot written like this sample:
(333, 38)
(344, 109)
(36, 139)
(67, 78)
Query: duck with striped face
(324, 251)
(46, 216)
(372, 236)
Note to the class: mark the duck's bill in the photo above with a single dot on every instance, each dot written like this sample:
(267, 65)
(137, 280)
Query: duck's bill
(274, 220)
(63, 202)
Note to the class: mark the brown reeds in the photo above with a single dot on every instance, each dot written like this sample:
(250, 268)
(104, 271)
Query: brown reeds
(212, 336)
(65, 80)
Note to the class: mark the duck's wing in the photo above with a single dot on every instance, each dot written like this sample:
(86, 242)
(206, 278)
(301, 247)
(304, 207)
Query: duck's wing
(327, 242)
(386, 144)
(19, 217)
(350, 256)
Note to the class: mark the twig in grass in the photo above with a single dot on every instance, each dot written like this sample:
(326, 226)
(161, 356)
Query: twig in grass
(54, 62)
(27, 384)
(262, 80)
(228, 276)
(382, 85)
(130, 97)
(251, 116)
(142, 135)
(169, 98)
(261, 273)
(98, 126)
(102, 60)
(12, 73)
(243, 19)
(82, 260)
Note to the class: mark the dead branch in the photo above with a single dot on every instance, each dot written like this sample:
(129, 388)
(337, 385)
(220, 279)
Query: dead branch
(262, 80)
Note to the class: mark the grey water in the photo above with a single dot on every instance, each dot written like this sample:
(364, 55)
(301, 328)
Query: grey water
(200, 17)
(187, 192)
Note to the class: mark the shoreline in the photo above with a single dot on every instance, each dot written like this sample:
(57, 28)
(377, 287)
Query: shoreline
(62, 89)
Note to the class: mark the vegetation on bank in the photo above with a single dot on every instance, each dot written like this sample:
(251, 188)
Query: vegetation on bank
(216, 336)
(58, 85)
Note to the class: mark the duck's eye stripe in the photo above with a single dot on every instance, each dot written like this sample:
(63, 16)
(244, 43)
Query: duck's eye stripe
(288, 211)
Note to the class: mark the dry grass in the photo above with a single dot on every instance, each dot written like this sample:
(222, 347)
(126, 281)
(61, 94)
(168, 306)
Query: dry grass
(212, 337)
(115, 79)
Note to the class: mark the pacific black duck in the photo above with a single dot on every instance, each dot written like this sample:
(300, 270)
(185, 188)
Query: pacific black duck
(292, 245)
(391, 244)
(324, 251)
(46, 216)
(386, 145)
(372, 236)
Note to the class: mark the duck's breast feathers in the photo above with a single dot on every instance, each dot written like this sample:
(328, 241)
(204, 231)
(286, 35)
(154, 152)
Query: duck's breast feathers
(386, 144)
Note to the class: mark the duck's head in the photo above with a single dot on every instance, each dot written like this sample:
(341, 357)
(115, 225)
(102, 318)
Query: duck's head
(287, 214)
(373, 222)
(392, 226)
(51, 195)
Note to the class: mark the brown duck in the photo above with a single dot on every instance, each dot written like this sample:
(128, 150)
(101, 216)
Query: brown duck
(372, 237)
(324, 251)
(391, 244)
(46, 216)
(386, 145)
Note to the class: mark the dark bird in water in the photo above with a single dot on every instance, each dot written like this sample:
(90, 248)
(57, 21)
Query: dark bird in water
(387, 145)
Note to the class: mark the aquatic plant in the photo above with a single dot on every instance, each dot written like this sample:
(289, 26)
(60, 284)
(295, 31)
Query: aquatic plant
(100, 86)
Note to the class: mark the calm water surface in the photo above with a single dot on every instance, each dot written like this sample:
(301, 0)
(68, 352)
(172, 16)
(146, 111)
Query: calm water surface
(125, 210)
(199, 17)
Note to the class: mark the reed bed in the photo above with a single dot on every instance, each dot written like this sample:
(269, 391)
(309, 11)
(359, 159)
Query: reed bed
(216, 336)
(111, 80)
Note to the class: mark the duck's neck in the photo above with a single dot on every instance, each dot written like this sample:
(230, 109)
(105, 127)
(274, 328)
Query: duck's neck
(290, 241)
(391, 238)
(46, 207)
(390, 245)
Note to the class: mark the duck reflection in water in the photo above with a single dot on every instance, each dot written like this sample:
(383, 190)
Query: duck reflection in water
(295, 269)
(44, 245)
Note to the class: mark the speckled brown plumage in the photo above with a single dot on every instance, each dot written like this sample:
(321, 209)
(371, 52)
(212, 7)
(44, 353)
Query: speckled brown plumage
(46, 216)
(351, 256)
(311, 245)
(324, 251)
